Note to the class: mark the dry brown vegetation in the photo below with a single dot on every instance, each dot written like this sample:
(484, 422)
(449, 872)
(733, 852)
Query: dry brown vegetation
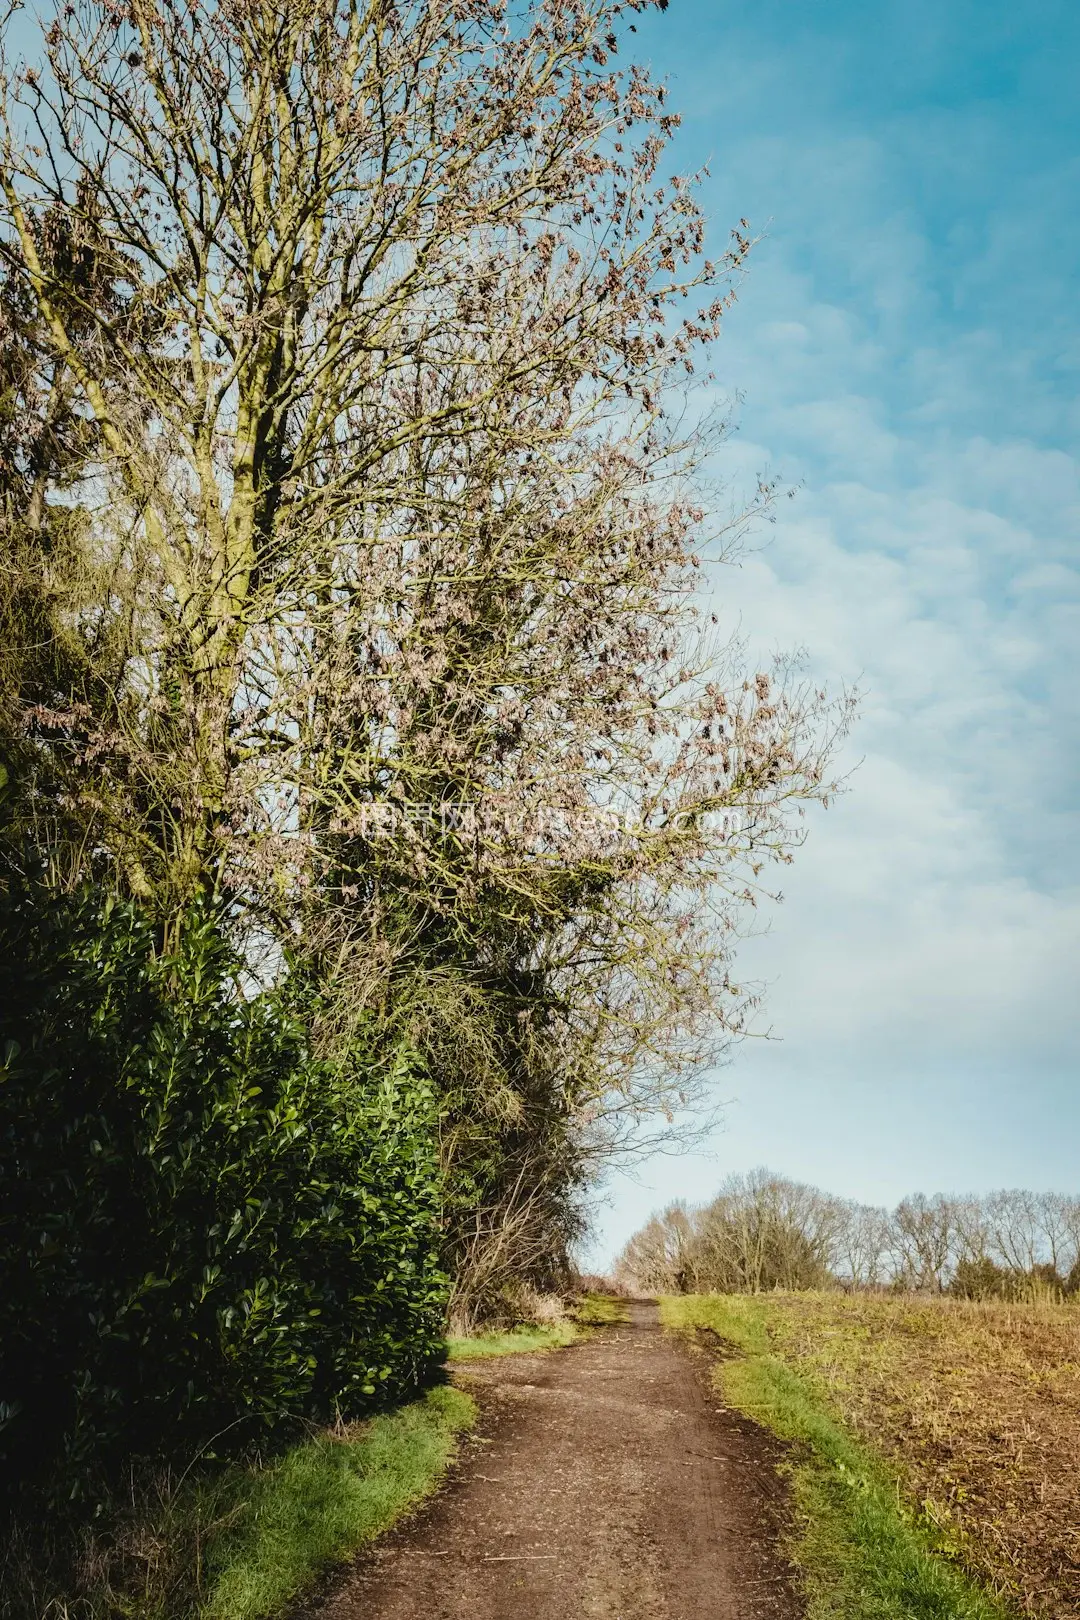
(979, 1404)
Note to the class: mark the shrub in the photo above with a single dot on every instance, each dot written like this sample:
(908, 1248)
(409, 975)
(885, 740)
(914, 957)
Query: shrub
(206, 1229)
(980, 1279)
(1044, 1281)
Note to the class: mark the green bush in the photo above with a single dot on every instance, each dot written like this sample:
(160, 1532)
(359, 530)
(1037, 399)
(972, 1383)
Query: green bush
(206, 1230)
(981, 1279)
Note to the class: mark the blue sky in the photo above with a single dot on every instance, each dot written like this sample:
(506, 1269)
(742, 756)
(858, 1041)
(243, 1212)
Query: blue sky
(908, 350)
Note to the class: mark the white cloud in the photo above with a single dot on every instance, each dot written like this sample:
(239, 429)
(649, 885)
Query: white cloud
(917, 891)
(919, 383)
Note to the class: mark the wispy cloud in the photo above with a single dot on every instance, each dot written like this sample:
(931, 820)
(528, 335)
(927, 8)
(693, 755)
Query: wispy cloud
(908, 346)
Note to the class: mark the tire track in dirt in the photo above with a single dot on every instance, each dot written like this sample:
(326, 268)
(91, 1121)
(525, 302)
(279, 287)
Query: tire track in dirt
(606, 1482)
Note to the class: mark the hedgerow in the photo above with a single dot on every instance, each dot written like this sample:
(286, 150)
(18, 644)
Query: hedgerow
(208, 1230)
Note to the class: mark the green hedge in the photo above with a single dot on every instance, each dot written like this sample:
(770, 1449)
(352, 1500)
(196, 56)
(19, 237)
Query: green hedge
(205, 1231)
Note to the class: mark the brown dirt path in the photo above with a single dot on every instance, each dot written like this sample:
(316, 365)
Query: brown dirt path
(606, 1482)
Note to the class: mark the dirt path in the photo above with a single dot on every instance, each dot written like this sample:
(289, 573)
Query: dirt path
(606, 1483)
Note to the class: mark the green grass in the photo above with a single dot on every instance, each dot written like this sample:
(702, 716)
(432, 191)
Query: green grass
(591, 1311)
(324, 1499)
(864, 1553)
(600, 1310)
(514, 1339)
(238, 1542)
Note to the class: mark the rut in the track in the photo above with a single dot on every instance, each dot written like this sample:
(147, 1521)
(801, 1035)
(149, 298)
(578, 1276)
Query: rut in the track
(607, 1483)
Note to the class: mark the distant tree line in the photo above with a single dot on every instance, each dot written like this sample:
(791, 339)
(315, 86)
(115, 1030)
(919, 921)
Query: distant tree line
(763, 1231)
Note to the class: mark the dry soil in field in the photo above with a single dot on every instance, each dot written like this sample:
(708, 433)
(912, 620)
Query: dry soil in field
(979, 1406)
(605, 1483)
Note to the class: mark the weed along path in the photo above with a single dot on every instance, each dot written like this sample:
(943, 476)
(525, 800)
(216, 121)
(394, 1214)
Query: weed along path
(606, 1482)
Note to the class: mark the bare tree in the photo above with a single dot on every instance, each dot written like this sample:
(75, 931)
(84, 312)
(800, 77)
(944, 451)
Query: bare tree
(925, 1236)
(322, 235)
(1027, 1230)
(862, 1254)
(972, 1228)
(659, 1258)
(374, 322)
(1071, 1220)
(763, 1231)
(1014, 1221)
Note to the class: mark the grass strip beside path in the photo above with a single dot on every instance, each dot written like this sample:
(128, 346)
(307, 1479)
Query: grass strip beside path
(236, 1541)
(591, 1311)
(600, 1310)
(864, 1554)
(517, 1339)
(321, 1501)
